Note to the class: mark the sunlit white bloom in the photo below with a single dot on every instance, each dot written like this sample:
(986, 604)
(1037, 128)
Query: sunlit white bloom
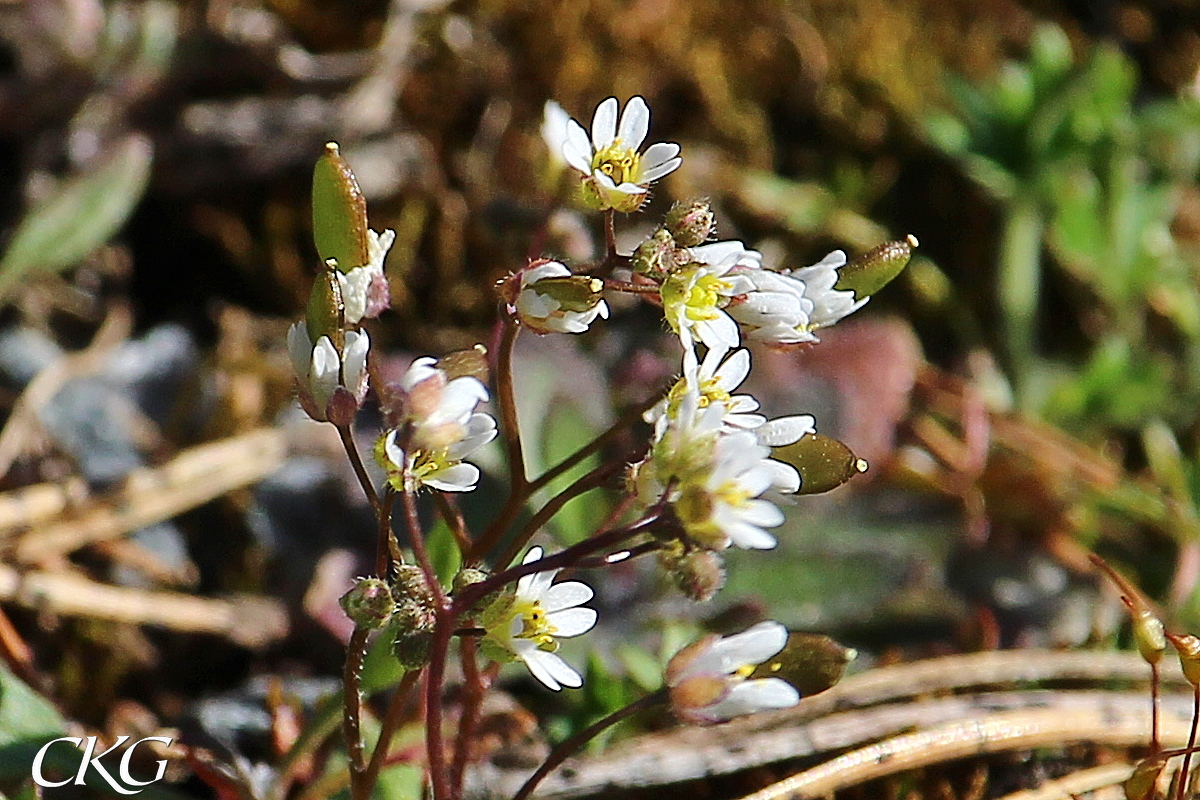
(694, 299)
(710, 681)
(554, 131)
(439, 428)
(365, 291)
(615, 174)
(321, 371)
(552, 299)
(713, 479)
(716, 379)
(541, 613)
(829, 304)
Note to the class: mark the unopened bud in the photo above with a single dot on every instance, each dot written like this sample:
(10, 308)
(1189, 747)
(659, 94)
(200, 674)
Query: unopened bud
(690, 223)
(416, 608)
(369, 603)
(699, 574)
(412, 649)
(550, 299)
(874, 269)
(659, 255)
(471, 363)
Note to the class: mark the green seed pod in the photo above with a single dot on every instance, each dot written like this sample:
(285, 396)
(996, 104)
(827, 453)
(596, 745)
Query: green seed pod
(875, 268)
(369, 603)
(326, 313)
(1149, 635)
(809, 662)
(823, 462)
(1188, 647)
(339, 212)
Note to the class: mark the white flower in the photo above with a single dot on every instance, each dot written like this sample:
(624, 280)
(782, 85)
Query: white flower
(709, 681)
(365, 288)
(615, 174)
(694, 298)
(552, 299)
(440, 428)
(321, 370)
(554, 131)
(713, 478)
(541, 613)
(829, 304)
(716, 379)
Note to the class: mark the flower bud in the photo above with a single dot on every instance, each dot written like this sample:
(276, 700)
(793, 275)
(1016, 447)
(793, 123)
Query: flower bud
(874, 269)
(412, 649)
(368, 603)
(690, 223)
(659, 255)
(699, 574)
(551, 299)
(471, 363)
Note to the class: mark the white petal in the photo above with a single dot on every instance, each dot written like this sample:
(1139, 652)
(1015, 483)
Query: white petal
(551, 269)
(577, 150)
(567, 594)
(354, 367)
(421, 369)
(539, 667)
(659, 154)
(786, 430)
(784, 477)
(300, 350)
(573, 621)
(323, 372)
(392, 450)
(754, 645)
(762, 513)
(635, 123)
(751, 697)
(558, 670)
(656, 172)
(604, 124)
(455, 478)
(749, 537)
(735, 369)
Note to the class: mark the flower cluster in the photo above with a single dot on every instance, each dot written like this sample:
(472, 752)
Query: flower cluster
(714, 473)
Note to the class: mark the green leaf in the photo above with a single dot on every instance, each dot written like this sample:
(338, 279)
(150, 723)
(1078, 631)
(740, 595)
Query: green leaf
(566, 430)
(80, 216)
(443, 552)
(339, 212)
(27, 721)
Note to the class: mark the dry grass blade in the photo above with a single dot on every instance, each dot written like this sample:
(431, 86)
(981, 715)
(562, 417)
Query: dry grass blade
(154, 494)
(1011, 730)
(249, 621)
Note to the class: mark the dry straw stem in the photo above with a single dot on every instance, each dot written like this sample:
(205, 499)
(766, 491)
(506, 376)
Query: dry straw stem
(1011, 730)
(151, 495)
(249, 621)
(860, 709)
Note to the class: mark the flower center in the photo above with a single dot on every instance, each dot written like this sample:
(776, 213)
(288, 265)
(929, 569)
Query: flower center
(619, 163)
(535, 625)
